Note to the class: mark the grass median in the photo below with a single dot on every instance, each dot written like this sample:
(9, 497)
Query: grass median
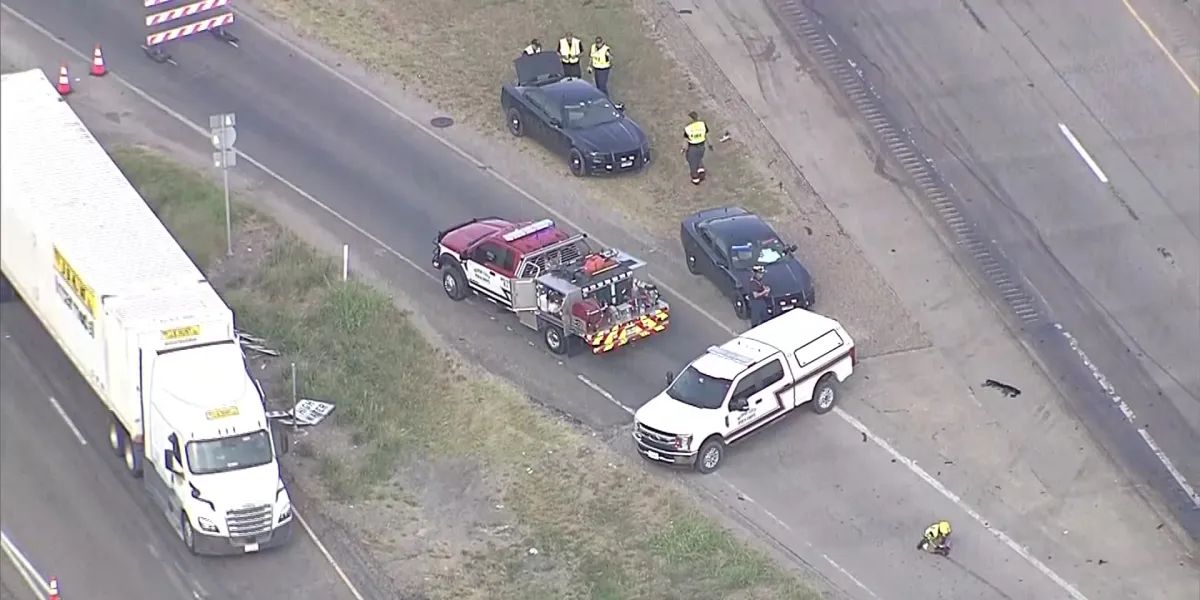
(457, 53)
(602, 528)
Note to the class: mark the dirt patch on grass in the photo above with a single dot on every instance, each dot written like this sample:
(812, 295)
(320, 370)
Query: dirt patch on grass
(454, 482)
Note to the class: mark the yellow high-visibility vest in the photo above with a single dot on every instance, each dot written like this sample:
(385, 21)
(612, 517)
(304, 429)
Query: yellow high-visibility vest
(696, 132)
(600, 57)
(570, 50)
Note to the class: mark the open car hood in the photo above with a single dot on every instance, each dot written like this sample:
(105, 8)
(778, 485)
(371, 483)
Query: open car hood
(543, 67)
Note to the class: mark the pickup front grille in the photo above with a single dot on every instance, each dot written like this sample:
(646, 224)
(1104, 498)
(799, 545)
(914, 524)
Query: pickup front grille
(655, 438)
(249, 521)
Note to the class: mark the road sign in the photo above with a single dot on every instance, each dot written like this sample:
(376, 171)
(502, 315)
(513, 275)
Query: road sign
(224, 159)
(223, 138)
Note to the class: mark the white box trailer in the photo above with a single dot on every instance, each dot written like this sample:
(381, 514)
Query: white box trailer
(140, 322)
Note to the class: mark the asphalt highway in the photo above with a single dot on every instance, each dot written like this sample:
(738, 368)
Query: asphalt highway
(393, 181)
(1077, 142)
(68, 505)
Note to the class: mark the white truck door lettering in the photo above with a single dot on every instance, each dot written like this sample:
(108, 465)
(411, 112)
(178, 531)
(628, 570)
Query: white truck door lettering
(763, 386)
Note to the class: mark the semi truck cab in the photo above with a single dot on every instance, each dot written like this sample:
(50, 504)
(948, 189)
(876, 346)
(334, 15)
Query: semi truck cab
(212, 466)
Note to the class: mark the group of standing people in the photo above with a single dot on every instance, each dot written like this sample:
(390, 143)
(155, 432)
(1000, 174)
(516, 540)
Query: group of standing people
(570, 51)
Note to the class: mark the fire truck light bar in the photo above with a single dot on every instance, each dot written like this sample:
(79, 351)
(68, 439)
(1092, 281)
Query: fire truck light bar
(529, 229)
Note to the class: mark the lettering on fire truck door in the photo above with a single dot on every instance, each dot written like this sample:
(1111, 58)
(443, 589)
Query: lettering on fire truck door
(486, 271)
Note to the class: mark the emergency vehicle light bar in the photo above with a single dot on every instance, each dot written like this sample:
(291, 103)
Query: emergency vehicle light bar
(740, 359)
(529, 229)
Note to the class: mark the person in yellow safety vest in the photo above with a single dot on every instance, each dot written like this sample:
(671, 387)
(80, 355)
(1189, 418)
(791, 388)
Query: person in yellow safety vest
(696, 134)
(533, 48)
(569, 49)
(601, 64)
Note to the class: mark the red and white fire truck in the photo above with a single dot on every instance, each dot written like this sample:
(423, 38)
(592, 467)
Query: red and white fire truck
(555, 282)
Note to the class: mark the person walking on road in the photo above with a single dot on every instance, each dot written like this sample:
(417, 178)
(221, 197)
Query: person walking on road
(533, 48)
(760, 297)
(569, 49)
(601, 64)
(696, 134)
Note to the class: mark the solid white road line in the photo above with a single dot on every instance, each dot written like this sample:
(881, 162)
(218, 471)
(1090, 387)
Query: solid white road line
(1130, 417)
(1083, 153)
(37, 584)
(329, 557)
(847, 574)
(62, 413)
(603, 392)
(910, 464)
(1163, 47)
(1162, 457)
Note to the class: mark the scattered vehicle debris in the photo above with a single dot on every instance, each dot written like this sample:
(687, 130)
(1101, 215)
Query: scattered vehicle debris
(1003, 388)
(254, 344)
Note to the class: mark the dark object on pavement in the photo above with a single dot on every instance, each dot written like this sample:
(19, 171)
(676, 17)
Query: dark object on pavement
(1003, 388)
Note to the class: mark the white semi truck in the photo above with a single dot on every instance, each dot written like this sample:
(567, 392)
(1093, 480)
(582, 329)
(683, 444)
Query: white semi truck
(141, 324)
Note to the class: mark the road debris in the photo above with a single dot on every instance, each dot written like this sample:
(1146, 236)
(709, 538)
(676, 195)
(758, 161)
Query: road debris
(308, 413)
(1003, 388)
(255, 344)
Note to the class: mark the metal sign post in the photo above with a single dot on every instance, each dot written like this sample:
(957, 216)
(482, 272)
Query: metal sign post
(223, 135)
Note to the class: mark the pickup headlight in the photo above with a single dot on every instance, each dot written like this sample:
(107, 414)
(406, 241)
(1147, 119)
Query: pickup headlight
(207, 525)
(683, 442)
(285, 514)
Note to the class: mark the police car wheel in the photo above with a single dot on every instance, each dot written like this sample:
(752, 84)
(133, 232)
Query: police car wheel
(691, 265)
(515, 126)
(824, 394)
(454, 282)
(741, 308)
(575, 162)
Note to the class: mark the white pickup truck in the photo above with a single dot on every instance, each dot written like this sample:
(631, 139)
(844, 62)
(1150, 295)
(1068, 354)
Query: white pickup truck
(743, 385)
(140, 323)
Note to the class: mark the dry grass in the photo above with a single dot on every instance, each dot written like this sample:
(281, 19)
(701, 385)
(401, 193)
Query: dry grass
(457, 53)
(603, 530)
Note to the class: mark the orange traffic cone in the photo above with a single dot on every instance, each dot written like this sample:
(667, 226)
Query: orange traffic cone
(54, 589)
(98, 69)
(64, 80)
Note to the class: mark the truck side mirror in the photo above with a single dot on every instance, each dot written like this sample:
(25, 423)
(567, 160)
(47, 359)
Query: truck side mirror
(738, 404)
(670, 378)
(283, 441)
(792, 248)
(171, 461)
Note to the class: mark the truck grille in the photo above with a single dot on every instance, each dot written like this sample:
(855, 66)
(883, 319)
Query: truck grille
(249, 521)
(654, 438)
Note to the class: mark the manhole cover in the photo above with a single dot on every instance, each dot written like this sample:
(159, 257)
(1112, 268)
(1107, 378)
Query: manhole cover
(441, 122)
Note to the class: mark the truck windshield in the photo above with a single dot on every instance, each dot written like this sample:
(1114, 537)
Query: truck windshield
(229, 454)
(699, 390)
